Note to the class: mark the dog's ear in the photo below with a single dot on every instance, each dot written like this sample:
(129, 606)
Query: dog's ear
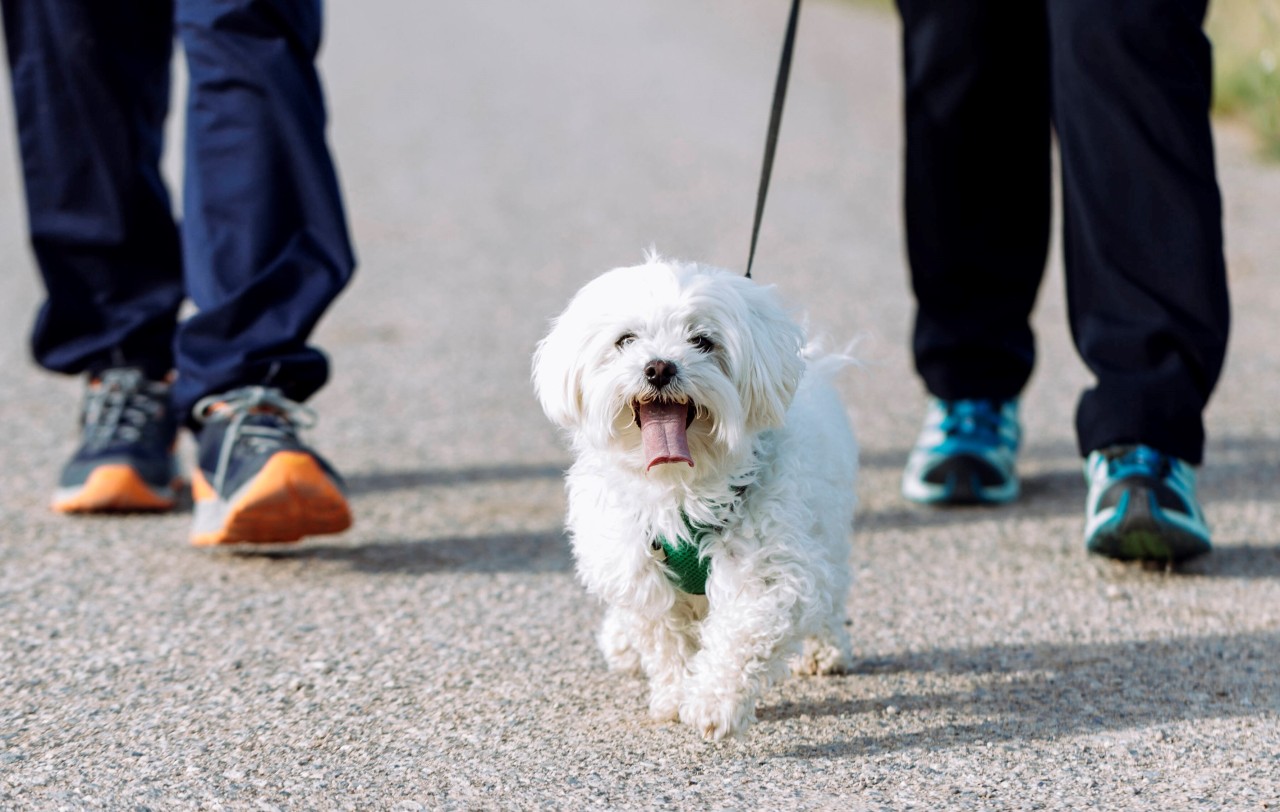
(773, 365)
(557, 374)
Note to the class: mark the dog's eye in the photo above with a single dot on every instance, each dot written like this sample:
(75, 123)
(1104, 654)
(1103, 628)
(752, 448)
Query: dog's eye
(624, 340)
(703, 343)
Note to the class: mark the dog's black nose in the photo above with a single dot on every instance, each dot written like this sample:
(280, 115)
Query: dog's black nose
(659, 373)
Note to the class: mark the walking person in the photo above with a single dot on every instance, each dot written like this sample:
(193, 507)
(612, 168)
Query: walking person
(261, 251)
(1126, 87)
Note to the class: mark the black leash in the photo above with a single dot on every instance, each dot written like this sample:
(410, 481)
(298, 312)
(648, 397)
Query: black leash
(775, 121)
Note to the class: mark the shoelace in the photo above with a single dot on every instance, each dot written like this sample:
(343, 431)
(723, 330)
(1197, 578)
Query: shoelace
(973, 418)
(119, 405)
(237, 406)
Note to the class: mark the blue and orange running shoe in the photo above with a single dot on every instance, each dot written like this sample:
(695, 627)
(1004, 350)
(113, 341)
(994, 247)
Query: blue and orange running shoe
(965, 454)
(255, 481)
(125, 462)
(1142, 506)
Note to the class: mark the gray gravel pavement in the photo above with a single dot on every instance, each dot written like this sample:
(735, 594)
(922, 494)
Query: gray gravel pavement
(495, 155)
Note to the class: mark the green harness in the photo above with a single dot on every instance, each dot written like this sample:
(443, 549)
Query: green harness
(687, 570)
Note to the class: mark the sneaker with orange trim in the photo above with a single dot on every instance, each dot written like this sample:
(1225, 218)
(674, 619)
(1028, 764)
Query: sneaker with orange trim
(255, 481)
(125, 462)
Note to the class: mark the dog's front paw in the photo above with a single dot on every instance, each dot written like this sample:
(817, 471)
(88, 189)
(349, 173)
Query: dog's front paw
(615, 643)
(664, 703)
(621, 658)
(716, 716)
(821, 658)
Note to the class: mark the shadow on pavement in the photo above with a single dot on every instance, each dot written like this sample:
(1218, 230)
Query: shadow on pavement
(1238, 561)
(1045, 494)
(1042, 692)
(382, 481)
(525, 553)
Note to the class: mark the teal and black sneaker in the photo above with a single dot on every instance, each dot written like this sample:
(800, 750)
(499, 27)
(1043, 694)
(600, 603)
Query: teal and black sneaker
(1142, 506)
(965, 454)
(125, 461)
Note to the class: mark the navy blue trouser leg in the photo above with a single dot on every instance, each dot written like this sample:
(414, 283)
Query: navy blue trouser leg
(977, 189)
(264, 247)
(91, 91)
(264, 233)
(1146, 279)
(1126, 86)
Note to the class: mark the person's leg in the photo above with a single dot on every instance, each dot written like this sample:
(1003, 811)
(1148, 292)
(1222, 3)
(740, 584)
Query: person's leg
(264, 234)
(977, 189)
(1146, 280)
(266, 249)
(977, 221)
(91, 91)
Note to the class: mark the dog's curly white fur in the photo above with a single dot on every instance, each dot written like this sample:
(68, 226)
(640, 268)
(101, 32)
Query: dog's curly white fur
(770, 463)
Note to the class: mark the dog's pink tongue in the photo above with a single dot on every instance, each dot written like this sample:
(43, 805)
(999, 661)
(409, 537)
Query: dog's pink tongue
(662, 429)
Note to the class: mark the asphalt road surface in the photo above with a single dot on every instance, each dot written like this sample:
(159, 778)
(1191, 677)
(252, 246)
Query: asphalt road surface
(495, 155)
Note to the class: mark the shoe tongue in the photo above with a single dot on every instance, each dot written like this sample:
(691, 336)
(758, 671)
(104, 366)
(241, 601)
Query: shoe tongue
(662, 430)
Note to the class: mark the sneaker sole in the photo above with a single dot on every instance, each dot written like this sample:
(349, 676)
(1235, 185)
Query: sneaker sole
(291, 497)
(115, 489)
(962, 486)
(1136, 534)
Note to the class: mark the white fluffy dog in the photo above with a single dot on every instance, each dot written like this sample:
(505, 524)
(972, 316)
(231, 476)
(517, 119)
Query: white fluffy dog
(712, 456)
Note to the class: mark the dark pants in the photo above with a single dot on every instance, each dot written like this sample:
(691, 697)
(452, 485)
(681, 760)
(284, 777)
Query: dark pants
(262, 249)
(1126, 86)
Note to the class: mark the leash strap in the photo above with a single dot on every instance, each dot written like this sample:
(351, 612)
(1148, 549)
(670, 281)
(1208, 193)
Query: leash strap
(775, 121)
